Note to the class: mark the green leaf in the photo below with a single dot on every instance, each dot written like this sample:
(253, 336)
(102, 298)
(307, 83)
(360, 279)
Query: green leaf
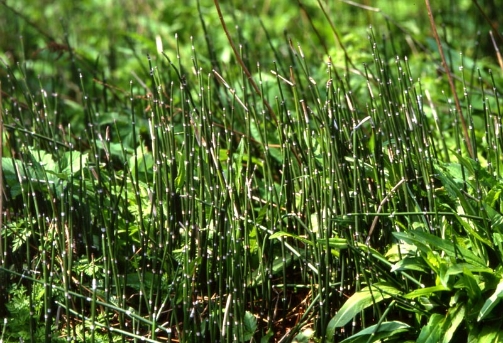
(358, 302)
(238, 163)
(410, 239)
(442, 329)
(410, 264)
(454, 317)
(493, 195)
(425, 291)
(249, 326)
(431, 333)
(335, 243)
(10, 168)
(397, 251)
(305, 336)
(280, 234)
(267, 337)
(180, 178)
(451, 176)
(468, 282)
(490, 303)
(488, 334)
(420, 239)
(471, 231)
(384, 330)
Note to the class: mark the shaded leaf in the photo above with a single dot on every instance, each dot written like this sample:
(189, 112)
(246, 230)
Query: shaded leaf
(250, 326)
(431, 333)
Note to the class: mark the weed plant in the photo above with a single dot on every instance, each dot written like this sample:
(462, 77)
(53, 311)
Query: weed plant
(216, 197)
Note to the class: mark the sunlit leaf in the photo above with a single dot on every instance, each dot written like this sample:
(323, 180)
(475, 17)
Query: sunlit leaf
(491, 302)
(377, 332)
(358, 302)
(454, 318)
(425, 291)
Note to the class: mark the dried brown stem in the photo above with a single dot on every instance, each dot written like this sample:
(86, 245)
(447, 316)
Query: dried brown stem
(241, 63)
(451, 80)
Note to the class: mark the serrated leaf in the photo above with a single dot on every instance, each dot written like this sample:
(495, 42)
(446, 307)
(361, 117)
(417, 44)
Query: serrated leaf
(250, 326)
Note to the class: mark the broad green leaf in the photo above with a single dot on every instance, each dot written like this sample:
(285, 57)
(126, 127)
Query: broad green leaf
(431, 333)
(428, 303)
(73, 161)
(454, 317)
(450, 174)
(316, 150)
(443, 274)
(422, 238)
(385, 330)
(335, 243)
(410, 264)
(490, 303)
(267, 337)
(277, 266)
(305, 336)
(493, 195)
(425, 291)
(489, 334)
(249, 326)
(408, 238)
(280, 234)
(400, 250)
(358, 302)
(45, 159)
(468, 282)
(459, 268)
(466, 225)
(11, 168)
(180, 178)
(315, 226)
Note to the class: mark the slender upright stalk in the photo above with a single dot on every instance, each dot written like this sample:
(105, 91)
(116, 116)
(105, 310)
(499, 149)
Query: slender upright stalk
(451, 80)
(1, 176)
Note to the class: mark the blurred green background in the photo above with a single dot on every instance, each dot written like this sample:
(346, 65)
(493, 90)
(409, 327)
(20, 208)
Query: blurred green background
(117, 35)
